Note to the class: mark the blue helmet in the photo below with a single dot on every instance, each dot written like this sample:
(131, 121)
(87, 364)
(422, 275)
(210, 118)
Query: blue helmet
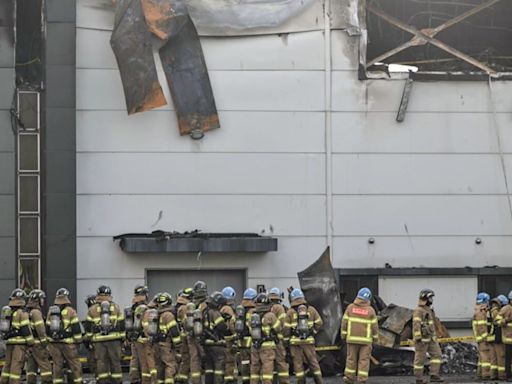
(503, 300)
(296, 294)
(250, 294)
(229, 293)
(483, 298)
(274, 291)
(364, 294)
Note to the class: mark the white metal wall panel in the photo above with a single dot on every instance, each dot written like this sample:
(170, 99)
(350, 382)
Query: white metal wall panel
(272, 52)
(378, 132)
(421, 215)
(93, 251)
(7, 88)
(344, 48)
(6, 134)
(449, 303)
(422, 251)
(99, 89)
(441, 174)
(200, 173)
(7, 207)
(242, 132)
(112, 215)
(7, 170)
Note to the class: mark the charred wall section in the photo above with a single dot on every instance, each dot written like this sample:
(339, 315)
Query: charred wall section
(59, 150)
(7, 154)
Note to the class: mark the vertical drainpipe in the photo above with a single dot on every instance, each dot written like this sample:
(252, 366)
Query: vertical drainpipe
(328, 123)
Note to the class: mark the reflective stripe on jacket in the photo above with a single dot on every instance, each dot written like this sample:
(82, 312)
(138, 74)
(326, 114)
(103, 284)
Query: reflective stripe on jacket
(291, 322)
(20, 326)
(423, 323)
(270, 326)
(504, 320)
(480, 323)
(116, 320)
(70, 326)
(168, 326)
(37, 325)
(359, 324)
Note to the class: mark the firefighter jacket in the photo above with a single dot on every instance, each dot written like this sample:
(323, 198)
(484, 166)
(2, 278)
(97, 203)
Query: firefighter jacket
(229, 315)
(20, 333)
(359, 324)
(214, 327)
(94, 331)
(291, 321)
(481, 323)
(71, 332)
(423, 323)
(144, 336)
(280, 312)
(270, 329)
(495, 310)
(181, 317)
(168, 329)
(37, 325)
(504, 320)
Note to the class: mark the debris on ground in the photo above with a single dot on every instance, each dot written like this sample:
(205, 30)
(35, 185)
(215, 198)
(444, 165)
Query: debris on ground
(459, 358)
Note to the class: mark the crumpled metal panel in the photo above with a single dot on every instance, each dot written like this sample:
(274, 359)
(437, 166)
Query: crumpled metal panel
(396, 318)
(182, 60)
(131, 44)
(318, 282)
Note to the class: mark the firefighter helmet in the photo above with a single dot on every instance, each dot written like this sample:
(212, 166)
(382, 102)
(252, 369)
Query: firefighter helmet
(90, 300)
(364, 294)
(483, 298)
(275, 294)
(187, 292)
(163, 299)
(262, 298)
(250, 294)
(503, 300)
(426, 294)
(217, 299)
(18, 294)
(141, 290)
(104, 290)
(229, 293)
(296, 294)
(62, 297)
(37, 295)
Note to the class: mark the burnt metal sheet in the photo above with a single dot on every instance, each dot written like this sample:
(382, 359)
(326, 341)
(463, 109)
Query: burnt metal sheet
(396, 318)
(182, 60)
(387, 338)
(320, 287)
(131, 43)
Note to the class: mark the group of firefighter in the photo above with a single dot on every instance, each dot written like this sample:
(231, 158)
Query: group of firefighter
(200, 335)
(208, 335)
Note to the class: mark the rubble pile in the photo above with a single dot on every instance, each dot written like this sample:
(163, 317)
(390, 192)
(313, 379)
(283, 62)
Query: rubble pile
(459, 358)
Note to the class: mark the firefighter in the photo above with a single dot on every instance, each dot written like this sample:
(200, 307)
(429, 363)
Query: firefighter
(283, 369)
(359, 328)
(140, 298)
(228, 312)
(15, 329)
(425, 338)
(242, 335)
(168, 339)
(302, 323)
(200, 292)
(90, 300)
(65, 335)
(215, 329)
(145, 326)
(106, 331)
(264, 328)
(183, 299)
(504, 320)
(481, 331)
(39, 356)
(498, 346)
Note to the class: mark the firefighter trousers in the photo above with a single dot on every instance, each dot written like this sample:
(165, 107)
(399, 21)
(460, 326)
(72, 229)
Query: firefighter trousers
(358, 362)
(262, 365)
(108, 361)
(134, 365)
(229, 371)
(14, 362)
(196, 353)
(282, 367)
(39, 358)
(184, 369)
(144, 353)
(91, 360)
(166, 362)
(487, 359)
(245, 364)
(305, 353)
(499, 352)
(420, 355)
(65, 353)
(214, 364)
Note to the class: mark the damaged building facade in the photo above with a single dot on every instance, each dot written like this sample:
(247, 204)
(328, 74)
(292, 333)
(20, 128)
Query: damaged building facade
(402, 165)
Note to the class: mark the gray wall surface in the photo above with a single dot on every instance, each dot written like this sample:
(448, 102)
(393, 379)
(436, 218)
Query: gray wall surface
(59, 269)
(7, 154)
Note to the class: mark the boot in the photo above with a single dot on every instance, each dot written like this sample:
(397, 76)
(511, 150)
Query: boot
(301, 380)
(348, 380)
(436, 379)
(420, 381)
(318, 379)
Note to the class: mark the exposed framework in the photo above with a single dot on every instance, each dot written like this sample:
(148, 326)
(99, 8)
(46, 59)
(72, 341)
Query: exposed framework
(451, 39)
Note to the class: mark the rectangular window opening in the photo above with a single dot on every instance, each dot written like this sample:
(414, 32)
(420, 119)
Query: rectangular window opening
(451, 39)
